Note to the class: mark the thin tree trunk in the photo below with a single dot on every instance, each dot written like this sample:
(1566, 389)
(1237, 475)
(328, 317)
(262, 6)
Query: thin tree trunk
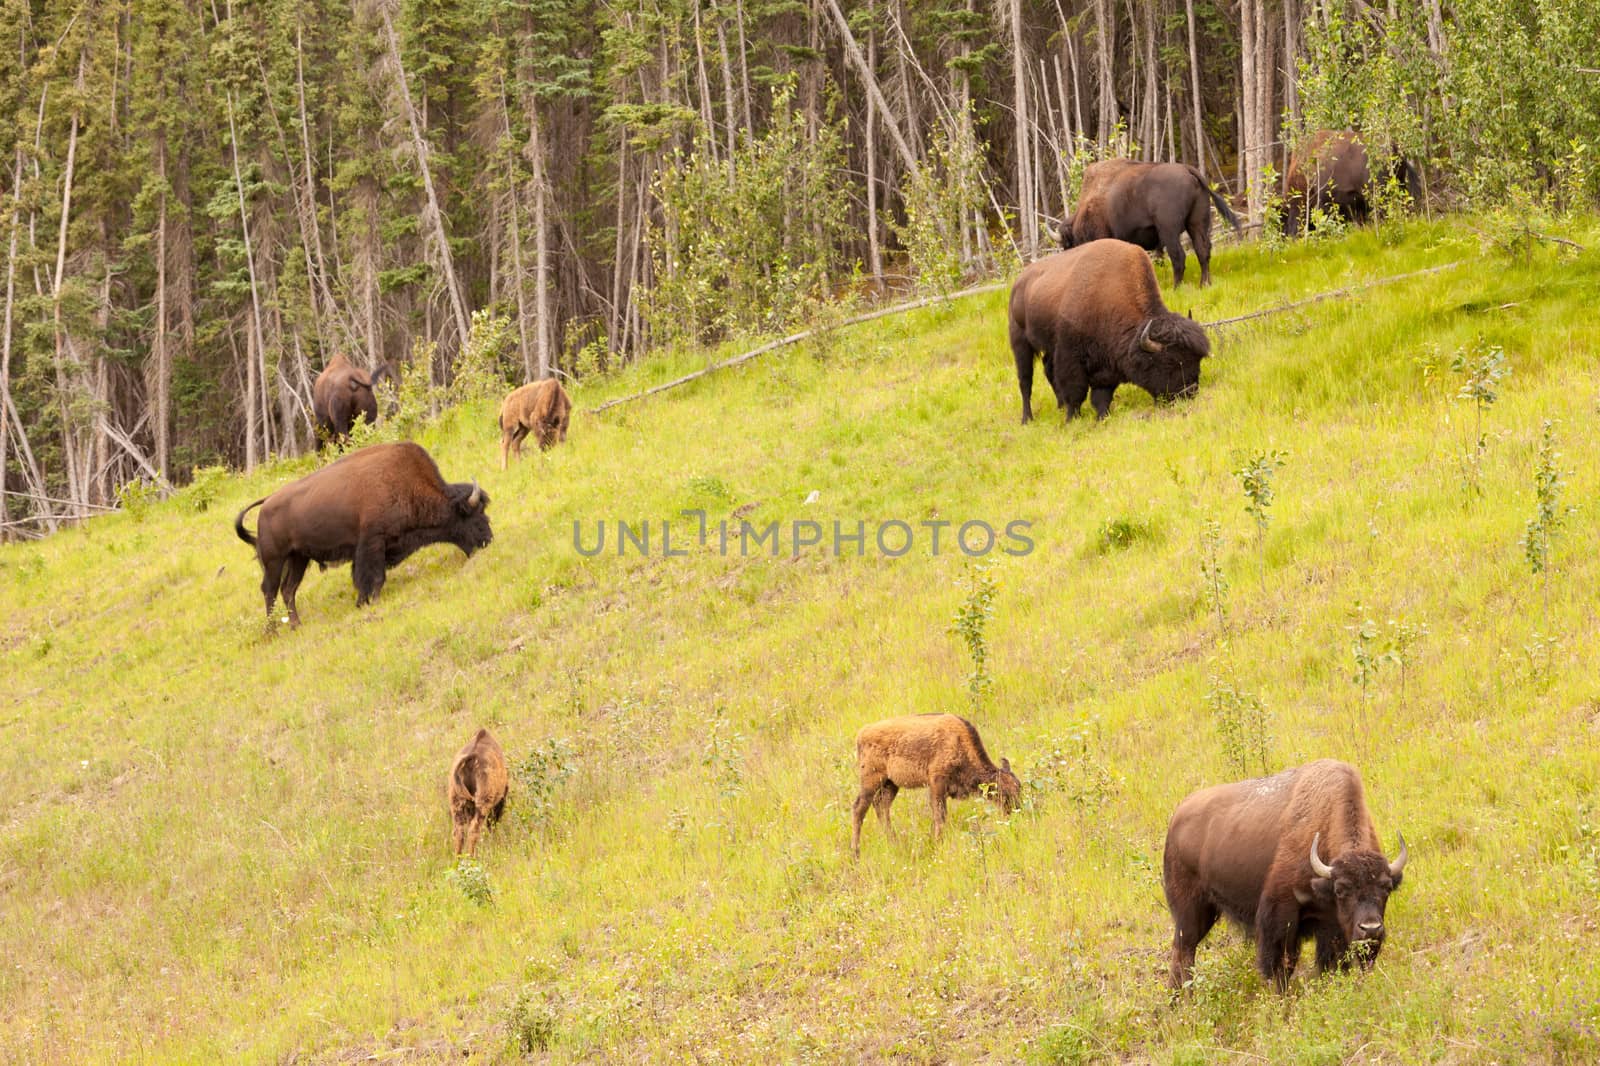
(874, 253)
(890, 122)
(161, 371)
(1027, 214)
(77, 487)
(1105, 32)
(1194, 82)
(254, 379)
(5, 336)
(534, 153)
(727, 87)
(420, 147)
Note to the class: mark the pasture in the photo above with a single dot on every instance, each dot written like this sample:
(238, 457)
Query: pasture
(223, 844)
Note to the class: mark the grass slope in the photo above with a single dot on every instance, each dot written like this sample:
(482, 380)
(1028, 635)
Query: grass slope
(223, 845)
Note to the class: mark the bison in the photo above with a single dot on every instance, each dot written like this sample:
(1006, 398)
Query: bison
(372, 508)
(1096, 316)
(539, 407)
(939, 752)
(476, 790)
(1286, 857)
(342, 393)
(1148, 204)
(1331, 171)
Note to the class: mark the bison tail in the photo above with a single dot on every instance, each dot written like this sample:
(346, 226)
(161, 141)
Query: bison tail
(1216, 198)
(238, 523)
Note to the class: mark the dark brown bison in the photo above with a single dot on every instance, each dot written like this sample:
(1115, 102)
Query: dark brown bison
(1148, 204)
(1096, 316)
(476, 790)
(1331, 171)
(372, 508)
(1286, 857)
(539, 407)
(939, 752)
(341, 394)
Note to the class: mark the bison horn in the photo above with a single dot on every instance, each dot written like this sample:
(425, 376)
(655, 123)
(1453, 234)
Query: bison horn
(477, 494)
(1400, 860)
(1144, 338)
(1318, 867)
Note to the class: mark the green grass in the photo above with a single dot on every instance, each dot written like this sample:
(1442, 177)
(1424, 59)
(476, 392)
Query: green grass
(221, 844)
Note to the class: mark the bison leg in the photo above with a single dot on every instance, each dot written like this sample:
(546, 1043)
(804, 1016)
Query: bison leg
(271, 572)
(882, 802)
(936, 800)
(1200, 237)
(858, 811)
(1333, 953)
(505, 446)
(368, 570)
(1192, 919)
(294, 569)
(1100, 399)
(1023, 351)
(1278, 942)
(1071, 386)
(1174, 248)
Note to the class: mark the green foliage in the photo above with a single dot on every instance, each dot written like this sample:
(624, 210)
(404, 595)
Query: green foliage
(205, 484)
(970, 624)
(1549, 515)
(470, 879)
(1121, 533)
(531, 1020)
(1255, 476)
(1243, 723)
(537, 779)
(743, 245)
(724, 754)
(1072, 765)
(136, 497)
(1214, 583)
(948, 188)
(1481, 368)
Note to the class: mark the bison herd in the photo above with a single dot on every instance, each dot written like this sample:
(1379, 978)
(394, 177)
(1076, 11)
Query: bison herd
(1287, 858)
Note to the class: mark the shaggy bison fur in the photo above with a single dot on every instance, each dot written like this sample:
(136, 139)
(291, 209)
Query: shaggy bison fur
(1149, 204)
(939, 752)
(476, 791)
(1288, 857)
(1095, 315)
(372, 508)
(539, 407)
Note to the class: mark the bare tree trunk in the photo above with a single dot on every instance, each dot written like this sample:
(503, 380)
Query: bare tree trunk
(254, 378)
(1027, 214)
(77, 476)
(161, 358)
(5, 335)
(1194, 82)
(727, 87)
(1105, 31)
(534, 153)
(703, 83)
(870, 80)
(420, 147)
(874, 253)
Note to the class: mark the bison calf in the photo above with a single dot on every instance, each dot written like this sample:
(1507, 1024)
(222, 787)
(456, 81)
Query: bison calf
(1288, 857)
(939, 752)
(477, 790)
(539, 407)
(1096, 316)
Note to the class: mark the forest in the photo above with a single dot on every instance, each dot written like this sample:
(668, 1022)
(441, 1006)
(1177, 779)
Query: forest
(202, 203)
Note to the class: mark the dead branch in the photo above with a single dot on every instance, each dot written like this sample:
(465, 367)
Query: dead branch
(1334, 294)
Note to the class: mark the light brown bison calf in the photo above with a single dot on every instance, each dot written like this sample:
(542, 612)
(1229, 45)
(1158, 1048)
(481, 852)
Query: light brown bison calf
(939, 752)
(477, 790)
(539, 407)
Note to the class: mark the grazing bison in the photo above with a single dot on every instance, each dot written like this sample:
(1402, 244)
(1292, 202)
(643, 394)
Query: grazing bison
(1148, 204)
(1287, 857)
(341, 393)
(939, 752)
(539, 407)
(1096, 316)
(1331, 172)
(477, 790)
(372, 508)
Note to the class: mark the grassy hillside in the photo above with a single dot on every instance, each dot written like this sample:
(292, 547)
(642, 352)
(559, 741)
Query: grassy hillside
(224, 844)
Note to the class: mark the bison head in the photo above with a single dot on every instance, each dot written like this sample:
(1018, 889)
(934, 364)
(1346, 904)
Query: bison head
(1068, 240)
(1165, 360)
(470, 530)
(1008, 788)
(1355, 888)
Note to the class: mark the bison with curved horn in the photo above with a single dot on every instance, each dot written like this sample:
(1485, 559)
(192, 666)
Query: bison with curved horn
(372, 509)
(1332, 171)
(1290, 857)
(1095, 315)
(1149, 204)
